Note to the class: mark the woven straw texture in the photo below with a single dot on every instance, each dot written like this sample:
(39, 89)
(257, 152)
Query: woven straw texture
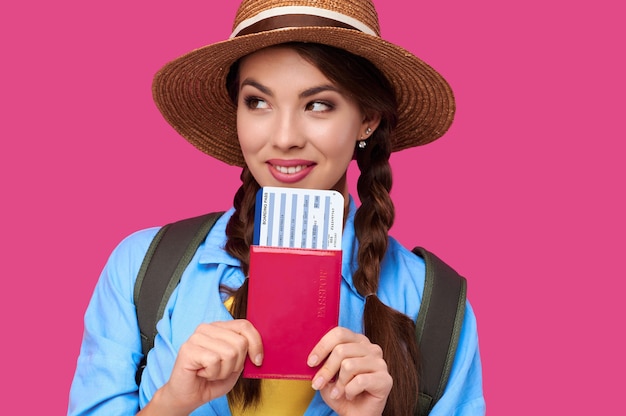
(190, 91)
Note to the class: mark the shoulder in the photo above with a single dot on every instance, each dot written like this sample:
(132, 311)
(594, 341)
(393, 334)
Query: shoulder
(126, 259)
(133, 247)
(120, 271)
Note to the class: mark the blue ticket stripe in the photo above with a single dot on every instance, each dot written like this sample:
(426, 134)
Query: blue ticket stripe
(326, 222)
(316, 204)
(292, 222)
(314, 235)
(258, 216)
(305, 220)
(281, 223)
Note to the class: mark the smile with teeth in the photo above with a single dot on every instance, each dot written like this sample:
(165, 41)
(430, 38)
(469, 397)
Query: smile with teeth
(289, 169)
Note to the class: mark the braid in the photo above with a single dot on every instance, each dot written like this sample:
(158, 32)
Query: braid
(393, 331)
(376, 213)
(240, 228)
(239, 231)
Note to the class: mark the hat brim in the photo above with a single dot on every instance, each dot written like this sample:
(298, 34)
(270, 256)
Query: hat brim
(190, 91)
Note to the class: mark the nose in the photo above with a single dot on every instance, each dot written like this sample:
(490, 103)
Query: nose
(288, 133)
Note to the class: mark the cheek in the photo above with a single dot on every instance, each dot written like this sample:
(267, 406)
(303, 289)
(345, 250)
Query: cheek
(341, 140)
(245, 134)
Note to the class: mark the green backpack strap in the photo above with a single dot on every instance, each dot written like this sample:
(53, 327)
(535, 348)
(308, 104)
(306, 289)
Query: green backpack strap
(438, 327)
(170, 252)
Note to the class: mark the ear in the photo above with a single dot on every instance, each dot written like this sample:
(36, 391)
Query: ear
(370, 121)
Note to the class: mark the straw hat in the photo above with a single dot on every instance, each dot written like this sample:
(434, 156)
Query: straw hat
(190, 91)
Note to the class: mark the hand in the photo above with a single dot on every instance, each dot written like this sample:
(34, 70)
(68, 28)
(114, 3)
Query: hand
(354, 379)
(208, 366)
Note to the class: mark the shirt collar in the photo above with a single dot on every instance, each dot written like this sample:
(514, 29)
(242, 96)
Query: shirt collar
(212, 250)
(349, 247)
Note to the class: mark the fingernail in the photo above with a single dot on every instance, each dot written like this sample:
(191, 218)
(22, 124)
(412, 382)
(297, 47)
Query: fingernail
(312, 361)
(317, 383)
(258, 360)
(335, 393)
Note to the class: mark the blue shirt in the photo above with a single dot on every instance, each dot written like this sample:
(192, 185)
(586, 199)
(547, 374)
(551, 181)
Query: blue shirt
(104, 382)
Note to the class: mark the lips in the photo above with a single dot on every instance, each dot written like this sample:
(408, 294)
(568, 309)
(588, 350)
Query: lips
(290, 171)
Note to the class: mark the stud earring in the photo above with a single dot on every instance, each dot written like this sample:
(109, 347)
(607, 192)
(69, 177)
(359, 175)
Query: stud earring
(368, 131)
(362, 144)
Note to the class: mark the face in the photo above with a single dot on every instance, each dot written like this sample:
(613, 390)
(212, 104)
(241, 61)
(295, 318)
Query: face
(296, 128)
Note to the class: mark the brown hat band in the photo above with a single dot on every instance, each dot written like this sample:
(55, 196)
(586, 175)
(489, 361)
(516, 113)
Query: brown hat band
(299, 16)
(292, 20)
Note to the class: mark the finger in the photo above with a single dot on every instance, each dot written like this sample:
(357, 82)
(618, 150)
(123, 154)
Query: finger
(369, 360)
(217, 351)
(244, 328)
(206, 363)
(340, 363)
(354, 368)
(229, 344)
(377, 384)
(328, 342)
(220, 349)
(358, 359)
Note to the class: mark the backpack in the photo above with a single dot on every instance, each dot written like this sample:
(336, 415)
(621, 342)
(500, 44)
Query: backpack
(437, 328)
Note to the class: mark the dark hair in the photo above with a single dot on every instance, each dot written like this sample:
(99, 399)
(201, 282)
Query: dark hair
(393, 331)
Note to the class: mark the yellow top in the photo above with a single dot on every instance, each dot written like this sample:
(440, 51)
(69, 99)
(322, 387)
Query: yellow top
(278, 397)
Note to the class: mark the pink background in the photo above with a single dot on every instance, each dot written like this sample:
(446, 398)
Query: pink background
(524, 195)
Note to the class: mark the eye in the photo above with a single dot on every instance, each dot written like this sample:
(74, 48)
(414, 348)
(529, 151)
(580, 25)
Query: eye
(255, 103)
(319, 106)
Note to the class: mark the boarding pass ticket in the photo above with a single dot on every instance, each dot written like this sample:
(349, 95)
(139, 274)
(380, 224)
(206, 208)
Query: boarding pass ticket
(298, 218)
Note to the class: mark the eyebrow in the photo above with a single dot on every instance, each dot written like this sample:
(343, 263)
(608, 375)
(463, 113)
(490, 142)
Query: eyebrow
(314, 90)
(256, 85)
(304, 94)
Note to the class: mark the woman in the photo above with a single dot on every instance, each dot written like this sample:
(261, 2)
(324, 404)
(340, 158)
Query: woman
(299, 90)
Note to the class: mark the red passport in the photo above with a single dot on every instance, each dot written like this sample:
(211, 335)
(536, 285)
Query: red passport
(293, 300)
